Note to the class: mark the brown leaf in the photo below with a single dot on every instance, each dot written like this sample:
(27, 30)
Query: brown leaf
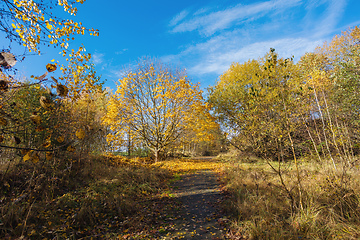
(17, 140)
(51, 67)
(39, 129)
(36, 119)
(49, 155)
(7, 59)
(61, 90)
(3, 121)
(45, 102)
(3, 85)
(35, 158)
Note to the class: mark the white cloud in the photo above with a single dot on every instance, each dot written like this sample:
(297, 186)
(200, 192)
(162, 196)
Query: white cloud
(208, 24)
(219, 61)
(332, 15)
(183, 14)
(292, 27)
(121, 51)
(98, 58)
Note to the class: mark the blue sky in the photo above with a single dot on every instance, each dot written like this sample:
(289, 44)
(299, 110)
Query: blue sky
(204, 37)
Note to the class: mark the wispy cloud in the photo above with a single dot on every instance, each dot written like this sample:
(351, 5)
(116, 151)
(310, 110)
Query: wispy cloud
(212, 22)
(180, 16)
(98, 58)
(122, 51)
(219, 61)
(332, 15)
(243, 32)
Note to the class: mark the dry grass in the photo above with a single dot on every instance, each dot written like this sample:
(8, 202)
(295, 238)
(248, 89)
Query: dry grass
(330, 210)
(47, 201)
(94, 197)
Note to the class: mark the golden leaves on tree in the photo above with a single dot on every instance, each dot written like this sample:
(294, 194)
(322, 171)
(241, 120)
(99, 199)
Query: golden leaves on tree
(34, 23)
(32, 156)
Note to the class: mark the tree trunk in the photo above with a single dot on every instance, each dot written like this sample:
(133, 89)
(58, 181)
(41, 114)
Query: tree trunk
(156, 153)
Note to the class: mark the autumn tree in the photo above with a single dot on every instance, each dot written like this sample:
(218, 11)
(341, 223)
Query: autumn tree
(331, 97)
(156, 104)
(33, 23)
(257, 103)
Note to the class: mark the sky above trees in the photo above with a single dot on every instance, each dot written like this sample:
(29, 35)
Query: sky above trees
(204, 37)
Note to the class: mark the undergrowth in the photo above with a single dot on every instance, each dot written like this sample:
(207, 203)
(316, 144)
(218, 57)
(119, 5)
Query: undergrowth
(71, 200)
(103, 197)
(262, 209)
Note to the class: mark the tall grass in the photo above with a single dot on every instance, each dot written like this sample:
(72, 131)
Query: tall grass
(263, 210)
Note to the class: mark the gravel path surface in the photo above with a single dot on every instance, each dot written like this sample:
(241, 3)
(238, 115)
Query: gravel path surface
(198, 215)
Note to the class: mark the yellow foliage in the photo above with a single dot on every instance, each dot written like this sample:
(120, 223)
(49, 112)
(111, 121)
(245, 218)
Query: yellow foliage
(35, 157)
(80, 134)
(60, 139)
(34, 23)
(189, 165)
(27, 156)
(70, 148)
(156, 106)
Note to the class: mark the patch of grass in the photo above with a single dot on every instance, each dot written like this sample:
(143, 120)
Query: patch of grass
(263, 210)
(91, 198)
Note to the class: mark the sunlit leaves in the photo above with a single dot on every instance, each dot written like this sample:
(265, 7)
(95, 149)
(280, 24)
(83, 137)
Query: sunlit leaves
(27, 156)
(79, 74)
(255, 101)
(156, 105)
(32, 156)
(33, 23)
(49, 155)
(70, 148)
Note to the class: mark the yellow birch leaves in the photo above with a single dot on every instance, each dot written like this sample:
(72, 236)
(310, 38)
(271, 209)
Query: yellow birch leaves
(32, 23)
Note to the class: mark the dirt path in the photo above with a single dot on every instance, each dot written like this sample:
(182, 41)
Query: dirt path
(198, 215)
